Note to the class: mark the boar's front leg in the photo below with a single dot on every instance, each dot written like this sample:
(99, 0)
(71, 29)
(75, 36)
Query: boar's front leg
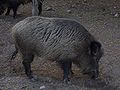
(66, 66)
(15, 10)
(27, 60)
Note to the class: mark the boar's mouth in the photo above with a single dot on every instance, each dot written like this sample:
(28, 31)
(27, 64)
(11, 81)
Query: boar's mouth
(93, 74)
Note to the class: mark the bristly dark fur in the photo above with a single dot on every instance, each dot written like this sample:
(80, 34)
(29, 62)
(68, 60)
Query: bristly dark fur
(2, 9)
(2, 6)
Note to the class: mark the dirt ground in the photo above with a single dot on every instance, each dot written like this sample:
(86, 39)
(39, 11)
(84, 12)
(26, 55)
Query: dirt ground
(100, 17)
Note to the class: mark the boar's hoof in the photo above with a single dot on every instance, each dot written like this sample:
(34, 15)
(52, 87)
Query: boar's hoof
(67, 81)
(33, 78)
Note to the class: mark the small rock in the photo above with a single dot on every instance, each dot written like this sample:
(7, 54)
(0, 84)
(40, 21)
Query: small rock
(73, 6)
(116, 15)
(42, 87)
(115, 7)
(49, 8)
(85, 1)
(68, 11)
(24, 87)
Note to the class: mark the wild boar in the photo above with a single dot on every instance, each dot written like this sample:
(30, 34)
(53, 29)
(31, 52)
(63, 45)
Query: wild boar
(62, 40)
(14, 4)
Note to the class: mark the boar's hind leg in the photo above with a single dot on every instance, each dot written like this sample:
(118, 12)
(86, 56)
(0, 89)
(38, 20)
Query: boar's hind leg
(15, 11)
(8, 11)
(40, 8)
(66, 66)
(27, 60)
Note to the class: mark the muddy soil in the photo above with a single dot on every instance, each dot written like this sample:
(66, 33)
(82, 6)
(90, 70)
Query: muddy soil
(100, 17)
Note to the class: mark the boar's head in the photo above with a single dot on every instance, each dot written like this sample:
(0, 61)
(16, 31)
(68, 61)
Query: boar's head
(89, 61)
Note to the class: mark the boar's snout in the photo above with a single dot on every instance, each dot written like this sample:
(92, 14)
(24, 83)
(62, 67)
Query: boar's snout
(93, 74)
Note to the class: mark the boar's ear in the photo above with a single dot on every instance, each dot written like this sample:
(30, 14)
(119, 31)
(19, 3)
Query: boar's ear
(95, 48)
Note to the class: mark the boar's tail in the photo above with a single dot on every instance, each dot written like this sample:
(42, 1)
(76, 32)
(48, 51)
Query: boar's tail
(13, 57)
(14, 54)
